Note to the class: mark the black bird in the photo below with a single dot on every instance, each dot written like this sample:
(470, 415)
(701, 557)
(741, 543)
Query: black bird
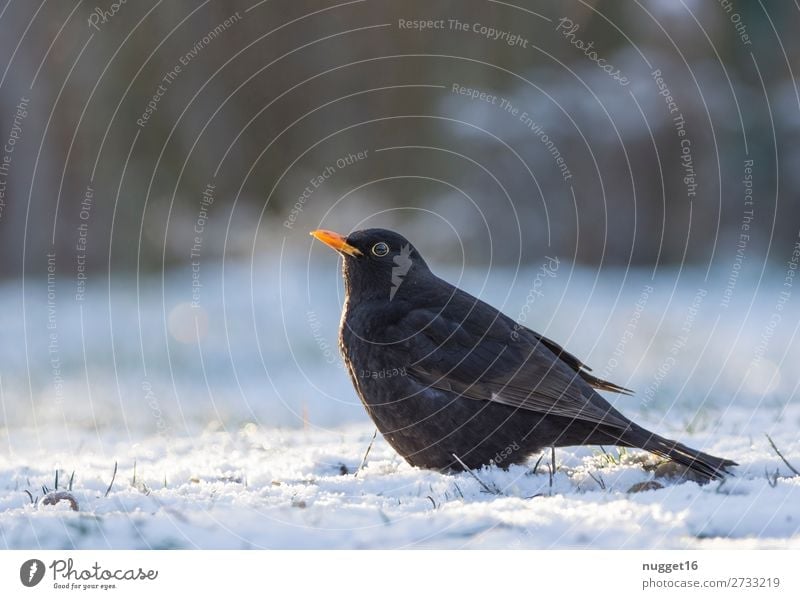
(451, 382)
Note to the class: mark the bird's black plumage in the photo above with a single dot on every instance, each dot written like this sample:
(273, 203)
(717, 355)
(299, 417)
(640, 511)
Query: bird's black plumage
(443, 374)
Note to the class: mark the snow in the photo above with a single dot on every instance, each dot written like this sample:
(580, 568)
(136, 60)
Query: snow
(253, 437)
(268, 488)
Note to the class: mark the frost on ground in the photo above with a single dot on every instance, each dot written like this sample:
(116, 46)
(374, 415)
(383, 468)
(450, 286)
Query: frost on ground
(135, 377)
(258, 488)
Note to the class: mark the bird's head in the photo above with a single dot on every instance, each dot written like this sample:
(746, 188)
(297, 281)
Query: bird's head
(378, 263)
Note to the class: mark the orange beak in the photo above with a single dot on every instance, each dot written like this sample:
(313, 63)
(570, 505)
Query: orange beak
(336, 241)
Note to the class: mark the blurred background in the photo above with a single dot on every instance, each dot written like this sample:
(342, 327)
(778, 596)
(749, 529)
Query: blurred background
(621, 176)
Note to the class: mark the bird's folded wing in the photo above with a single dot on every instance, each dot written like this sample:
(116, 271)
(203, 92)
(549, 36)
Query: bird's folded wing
(578, 366)
(489, 364)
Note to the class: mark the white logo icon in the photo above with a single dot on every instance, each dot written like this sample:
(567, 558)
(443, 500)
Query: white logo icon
(403, 265)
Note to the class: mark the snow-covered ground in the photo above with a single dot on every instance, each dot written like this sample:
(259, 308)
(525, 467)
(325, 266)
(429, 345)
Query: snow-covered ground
(294, 489)
(242, 430)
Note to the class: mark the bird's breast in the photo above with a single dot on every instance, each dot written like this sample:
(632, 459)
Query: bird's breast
(370, 355)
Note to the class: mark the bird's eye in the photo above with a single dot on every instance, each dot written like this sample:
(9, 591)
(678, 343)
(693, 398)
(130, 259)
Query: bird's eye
(380, 249)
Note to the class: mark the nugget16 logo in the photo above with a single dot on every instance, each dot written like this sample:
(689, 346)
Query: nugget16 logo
(31, 572)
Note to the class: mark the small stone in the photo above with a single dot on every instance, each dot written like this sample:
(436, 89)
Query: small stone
(674, 470)
(649, 485)
(54, 498)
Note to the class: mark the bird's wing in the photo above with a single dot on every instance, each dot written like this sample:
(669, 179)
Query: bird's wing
(479, 358)
(582, 369)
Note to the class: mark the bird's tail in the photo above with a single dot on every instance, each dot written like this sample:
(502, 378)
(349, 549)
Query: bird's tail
(706, 465)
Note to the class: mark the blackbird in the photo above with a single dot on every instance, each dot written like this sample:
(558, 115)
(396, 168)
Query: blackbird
(453, 383)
